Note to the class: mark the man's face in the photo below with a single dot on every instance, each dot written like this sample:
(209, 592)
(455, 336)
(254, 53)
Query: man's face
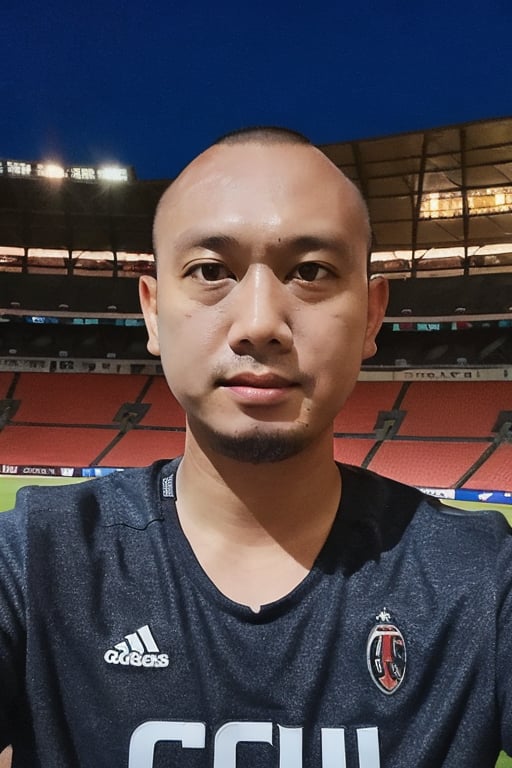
(261, 312)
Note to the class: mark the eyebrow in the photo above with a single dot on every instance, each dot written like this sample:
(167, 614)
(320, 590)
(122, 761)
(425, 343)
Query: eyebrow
(297, 243)
(210, 242)
(308, 243)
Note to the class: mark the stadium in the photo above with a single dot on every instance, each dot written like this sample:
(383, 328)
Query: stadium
(80, 396)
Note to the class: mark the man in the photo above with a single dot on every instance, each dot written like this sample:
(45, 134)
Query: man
(253, 603)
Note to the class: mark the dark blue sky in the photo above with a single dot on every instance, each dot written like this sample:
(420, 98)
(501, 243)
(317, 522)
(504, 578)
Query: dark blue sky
(152, 83)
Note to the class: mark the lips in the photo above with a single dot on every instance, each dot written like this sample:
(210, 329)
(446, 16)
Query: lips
(257, 381)
(264, 389)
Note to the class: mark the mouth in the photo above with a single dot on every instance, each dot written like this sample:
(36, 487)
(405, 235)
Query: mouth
(257, 381)
(258, 389)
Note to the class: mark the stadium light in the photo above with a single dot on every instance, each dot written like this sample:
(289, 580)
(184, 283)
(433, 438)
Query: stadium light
(17, 168)
(112, 173)
(51, 171)
(82, 173)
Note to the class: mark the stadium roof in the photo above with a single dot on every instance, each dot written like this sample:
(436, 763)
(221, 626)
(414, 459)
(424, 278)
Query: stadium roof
(436, 187)
(440, 187)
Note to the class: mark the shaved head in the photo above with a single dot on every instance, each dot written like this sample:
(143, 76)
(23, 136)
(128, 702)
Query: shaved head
(264, 135)
(270, 136)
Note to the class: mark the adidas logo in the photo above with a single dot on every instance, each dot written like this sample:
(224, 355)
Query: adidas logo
(137, 650)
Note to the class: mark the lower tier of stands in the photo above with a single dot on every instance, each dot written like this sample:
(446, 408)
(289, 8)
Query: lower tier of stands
(431, 434)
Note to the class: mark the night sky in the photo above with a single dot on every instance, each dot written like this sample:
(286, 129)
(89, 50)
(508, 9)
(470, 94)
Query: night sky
(150, 84)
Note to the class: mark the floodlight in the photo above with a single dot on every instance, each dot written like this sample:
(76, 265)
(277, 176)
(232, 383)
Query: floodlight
(112, 173)
(51, 171)
(16, 168)
(81, 173)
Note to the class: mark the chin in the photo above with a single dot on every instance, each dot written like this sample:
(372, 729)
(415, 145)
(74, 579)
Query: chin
(258, 447)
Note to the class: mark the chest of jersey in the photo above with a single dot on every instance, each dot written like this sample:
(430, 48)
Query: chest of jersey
(160, 670)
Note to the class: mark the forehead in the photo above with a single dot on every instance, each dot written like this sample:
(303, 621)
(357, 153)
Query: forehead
(266, 186)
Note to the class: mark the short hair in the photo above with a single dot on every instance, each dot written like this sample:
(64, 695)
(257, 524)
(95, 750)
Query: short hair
(263, 134)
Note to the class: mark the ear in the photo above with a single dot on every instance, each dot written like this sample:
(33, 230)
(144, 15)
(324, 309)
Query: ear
(147, 296)
(378, 295)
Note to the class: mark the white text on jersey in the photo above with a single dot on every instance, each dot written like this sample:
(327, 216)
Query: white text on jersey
(192, 735)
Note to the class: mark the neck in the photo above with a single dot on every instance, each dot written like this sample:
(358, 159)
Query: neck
(256, 530)
(276, 499)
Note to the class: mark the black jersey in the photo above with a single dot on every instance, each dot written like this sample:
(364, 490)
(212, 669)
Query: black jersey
(116, 649)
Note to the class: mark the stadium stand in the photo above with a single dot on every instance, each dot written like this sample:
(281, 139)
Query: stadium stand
(52, 446)
(467, 345)
(5, 383)
(165, 410)
(496, 472)
(464, 410)
(352, 450)
(140, 447)
(432, 434)
(74, 398)
(433, 464)
(363, 406)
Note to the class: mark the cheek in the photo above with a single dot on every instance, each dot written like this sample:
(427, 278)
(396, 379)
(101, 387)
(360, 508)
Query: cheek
(187, 345)
(332, 338)
(331, 354)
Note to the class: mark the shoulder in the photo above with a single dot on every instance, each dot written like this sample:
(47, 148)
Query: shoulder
(129, 497)
(401, 514)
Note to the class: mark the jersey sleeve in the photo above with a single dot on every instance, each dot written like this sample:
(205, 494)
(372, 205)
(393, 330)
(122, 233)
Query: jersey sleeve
(12, 619)
(504, 642)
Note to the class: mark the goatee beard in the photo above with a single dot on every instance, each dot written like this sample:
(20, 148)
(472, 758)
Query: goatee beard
(257, 448)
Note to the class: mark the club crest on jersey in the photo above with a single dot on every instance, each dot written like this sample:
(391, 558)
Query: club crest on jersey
(386, 654)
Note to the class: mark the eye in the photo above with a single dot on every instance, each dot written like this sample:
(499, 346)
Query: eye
(309, 271)
(210, 271)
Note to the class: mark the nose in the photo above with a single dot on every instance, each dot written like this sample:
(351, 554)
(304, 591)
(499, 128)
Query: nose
(260, 312)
